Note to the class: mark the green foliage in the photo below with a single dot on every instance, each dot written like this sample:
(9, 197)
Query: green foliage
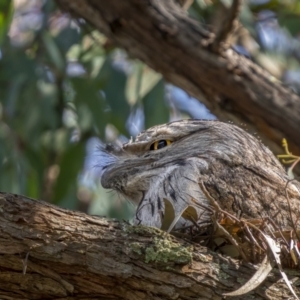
(113, 83)
(288, 13)
(157, 110)
(48, 113)
(6, 12)
(89, 102)
(70, 166)
(291, 21)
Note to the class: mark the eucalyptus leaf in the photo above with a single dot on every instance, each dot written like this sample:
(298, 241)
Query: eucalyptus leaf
(6, 13)
(113, 84)
(88, 93)
(291, 21)
(54, 52)
(155, 107)
(66, 38)
(70, 165)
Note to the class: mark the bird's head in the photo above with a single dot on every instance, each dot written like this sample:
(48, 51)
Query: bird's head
(137, 165)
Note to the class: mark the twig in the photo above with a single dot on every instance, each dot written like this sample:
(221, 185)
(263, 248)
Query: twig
(231, 239)
(226, 27)
(209, 197)
(252, 238)
(215, 204)
(185, 4)
(219, 226)
(278, 230)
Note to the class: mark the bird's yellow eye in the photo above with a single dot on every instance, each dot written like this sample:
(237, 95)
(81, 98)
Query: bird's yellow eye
(160, 144)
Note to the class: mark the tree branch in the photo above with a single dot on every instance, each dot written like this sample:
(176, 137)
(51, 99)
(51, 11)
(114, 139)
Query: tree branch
(48, 253)
(226, 26)
(160, 33)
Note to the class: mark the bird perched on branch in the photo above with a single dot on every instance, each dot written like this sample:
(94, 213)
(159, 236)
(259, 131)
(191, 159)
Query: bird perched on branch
(187, 168)
(219, 178)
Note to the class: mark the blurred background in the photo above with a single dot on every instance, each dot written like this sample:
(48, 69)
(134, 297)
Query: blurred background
(65, 89)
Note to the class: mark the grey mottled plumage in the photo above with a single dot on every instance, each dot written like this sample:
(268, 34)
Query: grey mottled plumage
(237, 170)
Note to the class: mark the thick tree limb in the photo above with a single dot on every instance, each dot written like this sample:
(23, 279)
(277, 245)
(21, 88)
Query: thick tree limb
(51, 253)
(161, 34)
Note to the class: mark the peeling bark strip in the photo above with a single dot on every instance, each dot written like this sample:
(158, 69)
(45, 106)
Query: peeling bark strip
(48, 253)
(159, 33)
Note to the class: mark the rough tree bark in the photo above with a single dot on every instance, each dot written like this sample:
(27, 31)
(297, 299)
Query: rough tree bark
(161, 34)
(50, 253)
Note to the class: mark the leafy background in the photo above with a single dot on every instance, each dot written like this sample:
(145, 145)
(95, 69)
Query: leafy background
(65, 88)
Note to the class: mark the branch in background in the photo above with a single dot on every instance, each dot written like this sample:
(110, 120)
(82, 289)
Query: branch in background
(234, 88)
(185, 4)
(226, 27)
